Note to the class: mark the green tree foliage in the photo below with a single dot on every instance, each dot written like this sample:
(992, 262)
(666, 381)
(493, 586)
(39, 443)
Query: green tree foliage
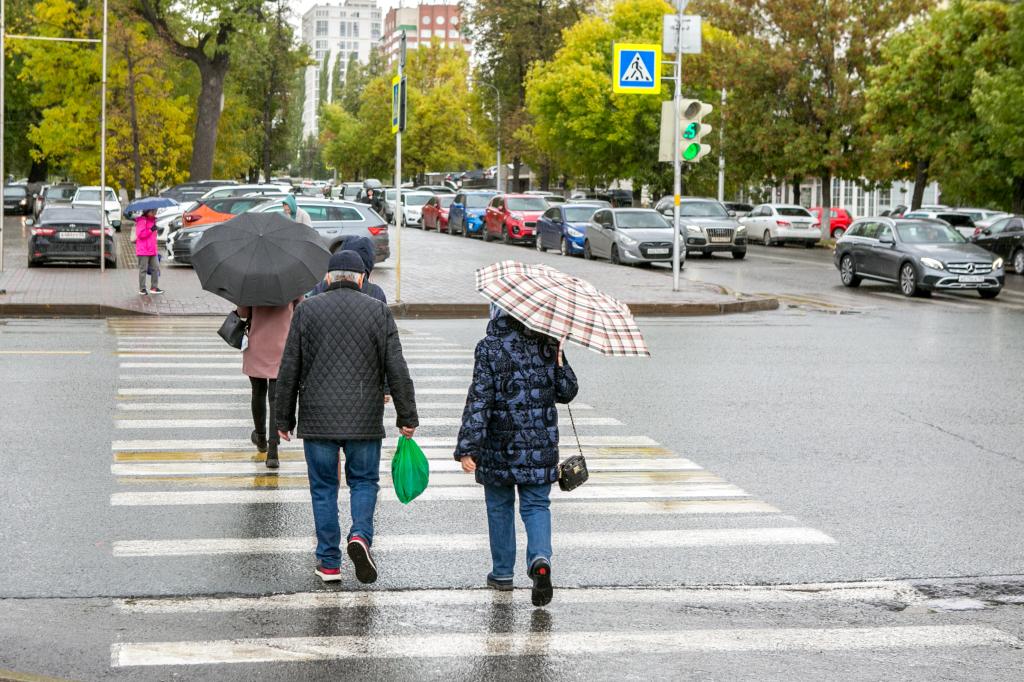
(140, 117)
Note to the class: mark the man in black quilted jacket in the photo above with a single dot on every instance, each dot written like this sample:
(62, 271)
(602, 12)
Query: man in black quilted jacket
(342, 347)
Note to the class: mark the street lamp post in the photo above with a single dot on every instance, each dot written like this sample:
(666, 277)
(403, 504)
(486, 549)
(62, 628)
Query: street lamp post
(497, 97)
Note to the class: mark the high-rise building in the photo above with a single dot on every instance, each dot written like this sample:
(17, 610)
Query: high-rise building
(423, 23)
(350, 27)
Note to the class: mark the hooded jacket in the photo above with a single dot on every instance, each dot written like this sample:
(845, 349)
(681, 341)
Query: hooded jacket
(367, 252)
(298, 215)
(510, 422)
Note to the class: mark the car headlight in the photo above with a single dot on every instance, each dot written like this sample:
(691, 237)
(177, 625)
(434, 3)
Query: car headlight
(573, 232)
(693, 230)
(997, 263)
(515, 216)
(742, 229)
(933, 264)
(627, 241)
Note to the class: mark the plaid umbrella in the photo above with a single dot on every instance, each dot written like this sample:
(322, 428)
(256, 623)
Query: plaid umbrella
(562, 306)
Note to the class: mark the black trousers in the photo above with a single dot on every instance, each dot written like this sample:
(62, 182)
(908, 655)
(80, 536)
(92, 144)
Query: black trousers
(263, 394)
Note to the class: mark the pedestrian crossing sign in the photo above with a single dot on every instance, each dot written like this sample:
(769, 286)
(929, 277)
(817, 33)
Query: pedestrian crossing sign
(637, 69)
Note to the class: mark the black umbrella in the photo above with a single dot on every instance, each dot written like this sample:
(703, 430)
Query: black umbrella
(260, 259)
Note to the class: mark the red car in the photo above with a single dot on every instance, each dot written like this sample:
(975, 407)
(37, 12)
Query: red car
(839, 222)
(435, 212)
(513, 217)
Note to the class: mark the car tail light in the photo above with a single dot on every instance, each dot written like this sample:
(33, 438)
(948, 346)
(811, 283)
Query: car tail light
(816, 225)
(977, 231)
(95, 232)
(782, 223)
(44, 231)
(191, 218)
(377, 229)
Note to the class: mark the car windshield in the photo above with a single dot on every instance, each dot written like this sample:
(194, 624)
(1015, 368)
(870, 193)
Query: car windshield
(14, 191)
(390, 194)
(792, 211)
(527, 204)
(94, 195)
(640, 220)
(415, 199)
(579, 214)
(702, 209)
(60, 192)
(445, 200)
(478, 200)
(929, 233)
(351, 192)
(961, 219)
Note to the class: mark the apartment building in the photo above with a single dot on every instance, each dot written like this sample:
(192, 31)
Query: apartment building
(423, 23)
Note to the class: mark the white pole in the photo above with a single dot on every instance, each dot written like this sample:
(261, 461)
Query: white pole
(399, 216)
(497, 181)
(677, 247)
(721, 151)
(3, 76)
(103, 148)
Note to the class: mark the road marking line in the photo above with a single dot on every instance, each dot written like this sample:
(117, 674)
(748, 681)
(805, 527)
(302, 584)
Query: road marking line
(238, 364)
(218, 353)
(236, 423)
(296, 444)
(571, 645)
(239, 377)
(897, 592)
(45, 352)
(637, 540)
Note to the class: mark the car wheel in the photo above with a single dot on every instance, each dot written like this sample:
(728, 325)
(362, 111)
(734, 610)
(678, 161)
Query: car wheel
(484, 234)
(539, 243)
(838, 233)
(112, 265)
(739, 255)
(766, 238)
(563, 247)
(988, 293)
(587, 253)
(809, 245)
(505, 238)
(33, 263)
(465, 231)
(1018, 262)
(908, 279)
(614, 256)
(847, 272)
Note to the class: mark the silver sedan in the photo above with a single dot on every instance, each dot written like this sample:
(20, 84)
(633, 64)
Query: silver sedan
(628, 236)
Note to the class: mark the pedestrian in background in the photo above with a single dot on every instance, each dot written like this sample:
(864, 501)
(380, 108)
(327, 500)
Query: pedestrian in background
(367, 251)
(509, 439)
(261, 361)
(146, 251)
(292, 210)
(342, 348)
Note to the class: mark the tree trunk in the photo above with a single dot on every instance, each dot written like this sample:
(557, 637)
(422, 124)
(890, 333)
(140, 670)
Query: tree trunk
(796, 189)
(211, 95)
(545, 177)
(920, 182)
(516, 163)
(134, 120)
(268, 129)
(826, 206)
(1018, 195)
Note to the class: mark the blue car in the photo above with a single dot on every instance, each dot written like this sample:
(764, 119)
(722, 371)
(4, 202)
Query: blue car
(466, 214)
(564, 227)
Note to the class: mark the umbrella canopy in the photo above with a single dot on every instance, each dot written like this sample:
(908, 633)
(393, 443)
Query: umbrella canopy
(560, 305)
(260, 259)
(149, 203)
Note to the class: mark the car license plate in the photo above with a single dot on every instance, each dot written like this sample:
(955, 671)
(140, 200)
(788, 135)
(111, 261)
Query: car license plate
(657, 252)
(971, 279)
(720, 240)
(72, 236)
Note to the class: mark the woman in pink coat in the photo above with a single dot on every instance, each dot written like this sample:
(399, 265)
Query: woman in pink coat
(268, 331)
(146, 250)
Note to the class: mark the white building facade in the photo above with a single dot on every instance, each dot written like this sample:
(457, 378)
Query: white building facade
(852, 195)
(350, 27)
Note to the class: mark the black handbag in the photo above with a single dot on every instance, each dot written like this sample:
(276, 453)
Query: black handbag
(572, 473)
(233, 330)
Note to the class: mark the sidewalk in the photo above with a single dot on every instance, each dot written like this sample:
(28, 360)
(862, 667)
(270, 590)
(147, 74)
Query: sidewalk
(437, 281)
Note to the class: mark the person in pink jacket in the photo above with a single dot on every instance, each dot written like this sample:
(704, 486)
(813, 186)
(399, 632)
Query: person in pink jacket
(146, 250)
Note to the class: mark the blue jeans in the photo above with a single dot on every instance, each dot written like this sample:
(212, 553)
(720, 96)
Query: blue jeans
(362, 472)
(535, 510)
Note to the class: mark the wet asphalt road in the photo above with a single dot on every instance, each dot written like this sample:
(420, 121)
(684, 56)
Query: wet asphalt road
(877, 445)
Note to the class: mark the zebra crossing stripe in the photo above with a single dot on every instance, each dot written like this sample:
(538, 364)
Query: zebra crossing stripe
(464, 645)
(389, 443)
(246, 423)
(167, 391)
(463, 379)
(238, 363)
(637, 540)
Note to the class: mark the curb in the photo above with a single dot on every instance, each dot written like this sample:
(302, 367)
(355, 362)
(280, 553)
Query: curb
(424, 311)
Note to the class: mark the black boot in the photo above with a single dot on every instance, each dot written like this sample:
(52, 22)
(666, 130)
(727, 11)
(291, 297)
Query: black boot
(259, 440)
(272, 461)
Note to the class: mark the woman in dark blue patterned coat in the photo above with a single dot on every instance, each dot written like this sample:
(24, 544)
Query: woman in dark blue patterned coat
(509, 438)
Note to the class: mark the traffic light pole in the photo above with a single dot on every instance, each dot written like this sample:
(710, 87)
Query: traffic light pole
(399, 215)
(678, 255)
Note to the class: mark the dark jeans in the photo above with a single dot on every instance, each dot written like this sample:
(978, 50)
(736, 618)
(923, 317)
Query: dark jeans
(362, 473)
(264, 391)
(535, 510)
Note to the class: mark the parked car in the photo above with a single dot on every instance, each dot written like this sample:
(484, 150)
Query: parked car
(981, 214)
(777, 224)
(17, 199)
(412, 207)
(435, 212)
(707, 227)
(961, 221)
(53, 196)
(918, 255)
(220, 210)
(227, 191)
(601, 203)
(70, 235)
(466, 214)
(89, 197)
(549, 197)
(628, 236)
(1005, 238)
(513, 217)
(564, 227)
(348, 191)
(434, 189)
(839, 220)
(737, 209)
(980, 225)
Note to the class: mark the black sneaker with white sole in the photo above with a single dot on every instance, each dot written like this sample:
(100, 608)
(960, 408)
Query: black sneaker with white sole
(540, 573)
(500, 584)
(362, 561)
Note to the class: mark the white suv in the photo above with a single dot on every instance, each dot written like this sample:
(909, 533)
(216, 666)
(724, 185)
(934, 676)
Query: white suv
(90, 196)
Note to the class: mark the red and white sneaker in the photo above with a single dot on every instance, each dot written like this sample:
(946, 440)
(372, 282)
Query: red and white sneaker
(362, 561)
(328, 575)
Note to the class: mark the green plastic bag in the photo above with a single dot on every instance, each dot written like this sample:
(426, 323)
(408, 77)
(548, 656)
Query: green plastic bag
(410, 470)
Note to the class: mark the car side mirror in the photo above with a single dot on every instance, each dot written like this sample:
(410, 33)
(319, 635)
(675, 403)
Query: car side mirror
(732, 214)
(886, 240)
(986, 232)
(29, 222)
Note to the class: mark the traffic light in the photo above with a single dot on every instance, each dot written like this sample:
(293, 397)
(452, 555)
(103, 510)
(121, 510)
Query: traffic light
(693, 130)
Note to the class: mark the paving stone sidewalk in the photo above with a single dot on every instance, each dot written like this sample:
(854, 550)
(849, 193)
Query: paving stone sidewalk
(436, 281)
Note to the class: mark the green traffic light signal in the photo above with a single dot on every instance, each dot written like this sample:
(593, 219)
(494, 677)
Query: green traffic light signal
(691, 151)
(691, 131)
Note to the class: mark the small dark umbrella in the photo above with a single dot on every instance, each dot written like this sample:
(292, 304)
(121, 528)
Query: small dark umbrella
(142, 205)
(260, 259)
